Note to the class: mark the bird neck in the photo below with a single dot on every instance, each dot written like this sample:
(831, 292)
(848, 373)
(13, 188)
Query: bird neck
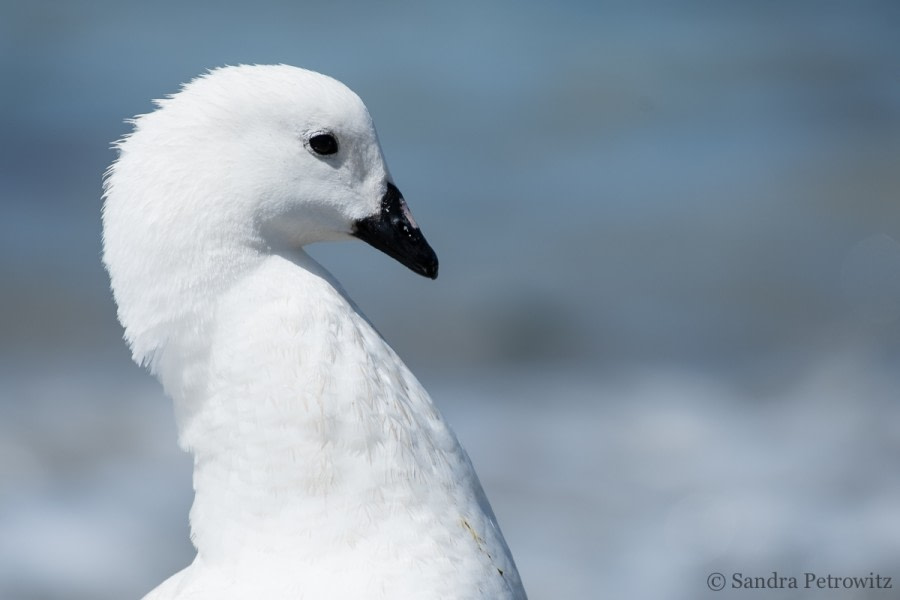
(296, 410)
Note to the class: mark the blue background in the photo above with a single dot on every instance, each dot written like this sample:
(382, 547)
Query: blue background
(666, 323)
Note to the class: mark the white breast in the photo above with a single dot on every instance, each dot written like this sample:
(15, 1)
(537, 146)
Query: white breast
(323, 469)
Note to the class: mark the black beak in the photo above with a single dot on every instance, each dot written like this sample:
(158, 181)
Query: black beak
(393, 231)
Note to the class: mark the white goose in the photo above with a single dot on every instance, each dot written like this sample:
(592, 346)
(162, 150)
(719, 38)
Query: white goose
(322, 469)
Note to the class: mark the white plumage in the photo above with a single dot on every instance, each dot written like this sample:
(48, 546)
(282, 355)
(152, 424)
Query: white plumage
(322, 468)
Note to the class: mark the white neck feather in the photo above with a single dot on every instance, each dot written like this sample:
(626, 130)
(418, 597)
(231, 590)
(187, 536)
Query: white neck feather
(296, 409)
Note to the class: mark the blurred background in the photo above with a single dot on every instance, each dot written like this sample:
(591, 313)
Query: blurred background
(666, 326)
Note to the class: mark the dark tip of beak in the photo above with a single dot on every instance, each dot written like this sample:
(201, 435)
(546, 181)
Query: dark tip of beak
(394, 231)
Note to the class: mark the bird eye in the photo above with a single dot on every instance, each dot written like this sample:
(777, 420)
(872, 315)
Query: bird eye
(323, 143)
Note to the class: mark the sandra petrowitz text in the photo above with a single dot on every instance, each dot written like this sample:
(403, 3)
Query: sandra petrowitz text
(810, 581)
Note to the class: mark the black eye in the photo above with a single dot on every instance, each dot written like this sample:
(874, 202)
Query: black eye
(323, 143)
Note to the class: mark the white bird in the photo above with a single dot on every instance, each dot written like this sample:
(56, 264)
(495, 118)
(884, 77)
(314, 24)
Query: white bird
(322, 469)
